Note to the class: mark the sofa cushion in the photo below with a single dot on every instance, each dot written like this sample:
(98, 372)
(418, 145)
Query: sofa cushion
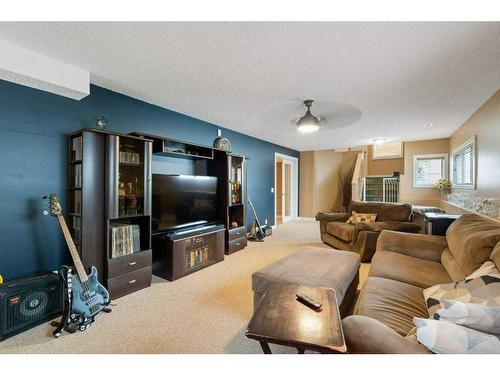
(343, 231)
(471, 239)
(392, 302)
(407, 269)
(451, 266)
(384, 211)
(312, 266)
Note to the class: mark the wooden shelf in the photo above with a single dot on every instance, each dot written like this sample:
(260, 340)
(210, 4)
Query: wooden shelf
(176, 148)
(99, 200)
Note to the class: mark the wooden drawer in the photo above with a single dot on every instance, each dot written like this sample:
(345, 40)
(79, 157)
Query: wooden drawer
(128, 263)
(129, 282)
(237, 244)
(236, 233)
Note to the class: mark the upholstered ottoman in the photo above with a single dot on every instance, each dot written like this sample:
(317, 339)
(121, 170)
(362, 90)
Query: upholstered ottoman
(317, 267)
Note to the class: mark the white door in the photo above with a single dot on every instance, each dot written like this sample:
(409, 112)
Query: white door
(286, 200)
(289, 187)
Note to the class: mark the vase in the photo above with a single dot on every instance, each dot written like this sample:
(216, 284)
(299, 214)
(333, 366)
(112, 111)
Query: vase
(444, 195)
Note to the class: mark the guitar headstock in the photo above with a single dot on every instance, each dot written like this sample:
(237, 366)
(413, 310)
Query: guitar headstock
(55, 207)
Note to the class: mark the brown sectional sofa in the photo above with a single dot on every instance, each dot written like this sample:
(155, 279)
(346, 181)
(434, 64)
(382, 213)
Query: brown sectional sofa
(402, 267)
(362, 237)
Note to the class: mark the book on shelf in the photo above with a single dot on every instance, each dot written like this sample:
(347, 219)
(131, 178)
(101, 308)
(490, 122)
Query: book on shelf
(77, 147)
(196, 257)
(78, 202)
(77, 176)
(125, 239)
(76, 224)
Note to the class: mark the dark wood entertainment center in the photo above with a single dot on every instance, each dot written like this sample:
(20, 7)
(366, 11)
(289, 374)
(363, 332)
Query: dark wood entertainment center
(174, 254)
(110, 208)
(109, 205)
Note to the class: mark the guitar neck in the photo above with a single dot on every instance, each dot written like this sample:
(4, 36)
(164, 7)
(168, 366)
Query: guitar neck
(80, 269)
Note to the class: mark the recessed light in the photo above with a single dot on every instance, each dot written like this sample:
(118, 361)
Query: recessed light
(379, 141)
(428, 125)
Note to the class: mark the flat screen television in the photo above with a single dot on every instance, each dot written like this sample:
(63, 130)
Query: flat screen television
(180, 202)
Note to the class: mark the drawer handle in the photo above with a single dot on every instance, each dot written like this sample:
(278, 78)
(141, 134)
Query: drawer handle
(131, 281)
(132, 263)
(237, 233)
(237, 244)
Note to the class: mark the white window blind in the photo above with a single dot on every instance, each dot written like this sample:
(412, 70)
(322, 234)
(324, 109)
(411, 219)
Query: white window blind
(463, 165)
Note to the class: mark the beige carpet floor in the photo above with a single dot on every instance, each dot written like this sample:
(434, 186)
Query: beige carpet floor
(206, 312)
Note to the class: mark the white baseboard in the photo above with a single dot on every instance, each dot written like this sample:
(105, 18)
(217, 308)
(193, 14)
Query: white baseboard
(305, 218)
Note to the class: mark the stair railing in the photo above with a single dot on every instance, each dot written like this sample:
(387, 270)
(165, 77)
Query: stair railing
(390, 189)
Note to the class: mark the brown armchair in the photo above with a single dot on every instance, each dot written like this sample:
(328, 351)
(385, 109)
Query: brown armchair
(362, 237)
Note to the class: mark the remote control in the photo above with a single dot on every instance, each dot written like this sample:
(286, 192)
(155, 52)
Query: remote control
(309, 301)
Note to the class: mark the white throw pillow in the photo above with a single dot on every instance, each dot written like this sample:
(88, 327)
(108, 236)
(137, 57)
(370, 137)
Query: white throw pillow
(442, 337)
(472, 315)
(483, 289)
(487, 269)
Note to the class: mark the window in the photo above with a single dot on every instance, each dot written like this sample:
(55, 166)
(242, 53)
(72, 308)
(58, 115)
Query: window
(427, 169)
(463, 165)
(388, 150)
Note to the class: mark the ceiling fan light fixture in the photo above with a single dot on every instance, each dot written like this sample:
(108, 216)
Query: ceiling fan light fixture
(308, 123)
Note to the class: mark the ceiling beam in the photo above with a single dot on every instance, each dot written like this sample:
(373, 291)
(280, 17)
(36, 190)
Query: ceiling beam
(28, 68)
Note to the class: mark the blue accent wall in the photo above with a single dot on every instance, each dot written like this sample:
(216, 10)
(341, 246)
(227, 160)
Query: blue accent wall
(33, 154)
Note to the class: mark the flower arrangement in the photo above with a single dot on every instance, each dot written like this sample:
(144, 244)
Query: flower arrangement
(443, 185)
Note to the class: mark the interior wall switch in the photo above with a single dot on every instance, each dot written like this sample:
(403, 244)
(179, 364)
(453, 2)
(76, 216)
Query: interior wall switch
(272, 190)
(219, 132)
(265, 221)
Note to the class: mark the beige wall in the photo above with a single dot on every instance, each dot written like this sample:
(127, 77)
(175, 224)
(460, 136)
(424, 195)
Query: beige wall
(421, 196)
(328, 164)
(383, 167)
(320, 180)
(307, 189)
(485, 124)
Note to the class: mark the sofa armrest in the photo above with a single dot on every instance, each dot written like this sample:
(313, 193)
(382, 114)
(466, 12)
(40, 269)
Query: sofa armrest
(365, 244)
(364, 335)
(399, 226)
(417, 245)
(332, 216)
(328, 217)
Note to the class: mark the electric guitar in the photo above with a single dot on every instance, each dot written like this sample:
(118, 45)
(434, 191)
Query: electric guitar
(89, 296)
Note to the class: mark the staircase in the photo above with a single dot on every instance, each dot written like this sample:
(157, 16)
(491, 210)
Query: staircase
(380, 189)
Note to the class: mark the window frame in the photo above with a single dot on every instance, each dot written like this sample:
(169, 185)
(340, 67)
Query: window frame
(400, 154)
(456, 150)
(444, 173)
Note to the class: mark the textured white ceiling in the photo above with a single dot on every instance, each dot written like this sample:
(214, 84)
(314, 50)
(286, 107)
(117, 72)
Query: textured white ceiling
(372, 80)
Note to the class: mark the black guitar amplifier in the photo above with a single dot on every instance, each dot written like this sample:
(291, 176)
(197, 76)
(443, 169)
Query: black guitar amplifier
(27, 302)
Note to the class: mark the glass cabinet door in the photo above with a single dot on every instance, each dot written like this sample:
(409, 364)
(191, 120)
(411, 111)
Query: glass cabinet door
(236, 180)
(130, 177)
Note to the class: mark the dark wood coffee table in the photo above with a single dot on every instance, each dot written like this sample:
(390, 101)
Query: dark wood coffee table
(281, 319)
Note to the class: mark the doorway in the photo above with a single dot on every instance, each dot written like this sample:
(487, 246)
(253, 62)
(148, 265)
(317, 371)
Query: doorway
(286, 188)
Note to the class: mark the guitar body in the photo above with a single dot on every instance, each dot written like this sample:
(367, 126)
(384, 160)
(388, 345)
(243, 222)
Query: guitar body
(90, 297)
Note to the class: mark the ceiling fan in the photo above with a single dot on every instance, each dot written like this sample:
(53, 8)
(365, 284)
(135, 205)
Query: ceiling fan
(308, 123)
